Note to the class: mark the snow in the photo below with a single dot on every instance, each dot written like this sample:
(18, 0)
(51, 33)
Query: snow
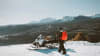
(74, 48)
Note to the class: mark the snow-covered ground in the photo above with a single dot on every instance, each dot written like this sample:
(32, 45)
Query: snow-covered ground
(75, 48)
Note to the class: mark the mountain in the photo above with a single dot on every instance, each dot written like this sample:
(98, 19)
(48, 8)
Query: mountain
(26, 33)
(51, 20)
(82, 18)
(47, 20)
(67, 18)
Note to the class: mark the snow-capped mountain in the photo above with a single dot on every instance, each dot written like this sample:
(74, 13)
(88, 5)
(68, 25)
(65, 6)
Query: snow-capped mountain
(67, 18)
(47, 20)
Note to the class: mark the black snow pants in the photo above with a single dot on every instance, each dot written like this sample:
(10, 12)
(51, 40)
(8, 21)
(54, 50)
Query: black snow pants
(61, 46)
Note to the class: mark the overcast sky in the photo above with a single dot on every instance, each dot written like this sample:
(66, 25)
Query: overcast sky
(24, 11)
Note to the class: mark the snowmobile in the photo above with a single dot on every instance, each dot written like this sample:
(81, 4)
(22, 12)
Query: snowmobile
(46, 42)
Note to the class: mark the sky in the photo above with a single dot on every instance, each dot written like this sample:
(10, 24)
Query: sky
(24, 11)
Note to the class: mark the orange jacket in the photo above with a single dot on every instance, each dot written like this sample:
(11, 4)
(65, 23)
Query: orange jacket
(64, 36)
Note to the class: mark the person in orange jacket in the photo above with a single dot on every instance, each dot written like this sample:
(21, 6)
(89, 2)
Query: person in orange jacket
(62, 37)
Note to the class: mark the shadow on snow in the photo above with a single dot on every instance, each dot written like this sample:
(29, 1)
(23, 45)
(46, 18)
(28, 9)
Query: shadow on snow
(46, 51)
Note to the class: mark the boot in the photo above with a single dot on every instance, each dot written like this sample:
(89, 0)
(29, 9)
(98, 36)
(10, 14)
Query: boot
(64, 53)
(59, 51)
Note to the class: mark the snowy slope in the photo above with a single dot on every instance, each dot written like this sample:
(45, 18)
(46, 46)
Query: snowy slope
(76, 48)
